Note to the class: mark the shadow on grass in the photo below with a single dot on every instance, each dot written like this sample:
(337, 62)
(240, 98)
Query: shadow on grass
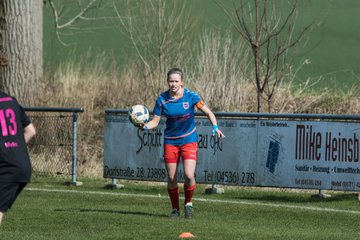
(299, 198)
(86, 210)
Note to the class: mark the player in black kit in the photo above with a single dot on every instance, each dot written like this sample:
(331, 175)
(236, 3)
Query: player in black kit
(16, 130)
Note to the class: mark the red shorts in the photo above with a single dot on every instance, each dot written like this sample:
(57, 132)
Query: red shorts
(188, 151)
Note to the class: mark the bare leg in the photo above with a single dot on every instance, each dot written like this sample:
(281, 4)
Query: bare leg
(189, 172)
(172, 175)
(1, 217)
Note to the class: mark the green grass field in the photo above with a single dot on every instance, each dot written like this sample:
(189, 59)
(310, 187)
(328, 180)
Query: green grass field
(47, 209)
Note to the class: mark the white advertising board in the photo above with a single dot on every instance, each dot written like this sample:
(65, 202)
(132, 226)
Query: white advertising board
(265, 152)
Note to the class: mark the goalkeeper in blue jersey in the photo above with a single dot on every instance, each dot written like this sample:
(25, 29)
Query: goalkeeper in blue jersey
(178, 104)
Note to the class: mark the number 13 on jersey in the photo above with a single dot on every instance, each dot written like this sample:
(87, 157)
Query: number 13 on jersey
(8, 122)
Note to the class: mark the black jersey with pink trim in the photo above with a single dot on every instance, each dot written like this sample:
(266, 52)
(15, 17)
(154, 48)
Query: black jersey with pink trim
(180, 125)
(15, 163)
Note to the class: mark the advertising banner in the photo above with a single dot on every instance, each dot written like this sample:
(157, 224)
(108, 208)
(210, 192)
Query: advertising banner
(255, 152)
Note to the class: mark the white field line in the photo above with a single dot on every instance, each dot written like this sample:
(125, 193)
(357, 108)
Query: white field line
(254, 203)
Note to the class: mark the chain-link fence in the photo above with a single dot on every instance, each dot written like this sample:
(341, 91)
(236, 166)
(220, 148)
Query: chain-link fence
(53, 149)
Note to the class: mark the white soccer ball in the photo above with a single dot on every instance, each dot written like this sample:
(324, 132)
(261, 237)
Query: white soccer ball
(138, 115)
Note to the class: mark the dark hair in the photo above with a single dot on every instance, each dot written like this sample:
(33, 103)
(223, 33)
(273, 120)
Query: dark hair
(175, 71)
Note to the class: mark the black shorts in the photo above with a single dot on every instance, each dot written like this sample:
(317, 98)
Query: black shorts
(8, 194)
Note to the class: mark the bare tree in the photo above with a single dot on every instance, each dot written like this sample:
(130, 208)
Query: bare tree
(159, 31)
(21, 41)
(71, 16)
(220, 68)
(270, 36)
(21, 48)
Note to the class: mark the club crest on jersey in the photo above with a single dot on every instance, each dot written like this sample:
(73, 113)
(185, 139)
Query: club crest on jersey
(186, 105)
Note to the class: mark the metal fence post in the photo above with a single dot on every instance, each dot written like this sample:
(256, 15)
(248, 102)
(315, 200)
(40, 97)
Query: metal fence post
(73, 174)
